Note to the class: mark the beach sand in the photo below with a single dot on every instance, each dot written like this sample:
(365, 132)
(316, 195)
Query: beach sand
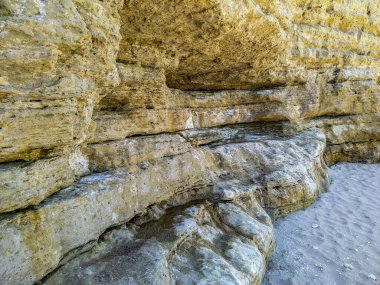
(337, 239)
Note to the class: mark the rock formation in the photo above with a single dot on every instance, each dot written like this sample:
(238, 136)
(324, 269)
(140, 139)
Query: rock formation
(150, 142)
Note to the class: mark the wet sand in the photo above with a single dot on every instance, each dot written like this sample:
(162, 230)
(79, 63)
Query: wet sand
(337, 239)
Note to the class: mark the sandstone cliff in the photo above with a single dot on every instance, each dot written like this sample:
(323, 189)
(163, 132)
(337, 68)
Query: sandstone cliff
(141, 141)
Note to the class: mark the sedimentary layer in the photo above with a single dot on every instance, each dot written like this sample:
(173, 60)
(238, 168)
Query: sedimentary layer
(180, 123)
(284, 174)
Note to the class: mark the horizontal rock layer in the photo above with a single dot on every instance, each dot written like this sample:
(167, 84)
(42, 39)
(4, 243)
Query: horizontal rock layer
(284, 174)
(109, 109)
(223, 243)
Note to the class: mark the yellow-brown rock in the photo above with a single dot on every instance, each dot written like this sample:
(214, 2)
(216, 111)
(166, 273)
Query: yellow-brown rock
(204, 113)
(284, 173)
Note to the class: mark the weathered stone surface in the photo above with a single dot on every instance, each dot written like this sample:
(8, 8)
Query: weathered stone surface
(143, 104)
(219, 243)
(249, 44)
(207, 36)
(55, 58)
(36, 181)
(134, 151)
(285, 174)
(356, 152)
(161, 103)
(350, 138)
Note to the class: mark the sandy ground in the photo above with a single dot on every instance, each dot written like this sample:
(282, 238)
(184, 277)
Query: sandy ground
(337, 240)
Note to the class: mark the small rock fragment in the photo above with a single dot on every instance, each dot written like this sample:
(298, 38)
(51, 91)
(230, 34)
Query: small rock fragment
(371, 276)
(348, 266)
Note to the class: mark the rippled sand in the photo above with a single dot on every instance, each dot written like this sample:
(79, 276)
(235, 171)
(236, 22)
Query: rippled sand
(337, 240)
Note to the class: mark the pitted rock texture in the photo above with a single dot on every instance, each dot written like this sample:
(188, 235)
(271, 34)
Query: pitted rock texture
(223, 236)
(222, 243)
(111, 108)
(284, 173)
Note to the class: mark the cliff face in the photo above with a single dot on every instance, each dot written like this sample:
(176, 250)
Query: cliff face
(148, 136)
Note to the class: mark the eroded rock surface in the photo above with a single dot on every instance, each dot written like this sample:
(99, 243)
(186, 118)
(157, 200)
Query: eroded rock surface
(283, 172)
(222, 243)
(110, 109)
